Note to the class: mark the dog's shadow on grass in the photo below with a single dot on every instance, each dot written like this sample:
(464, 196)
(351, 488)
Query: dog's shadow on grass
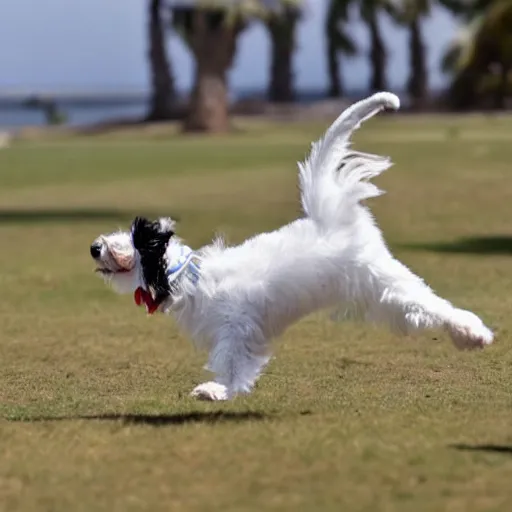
(161, 420)
(486, 448)
(474, 245)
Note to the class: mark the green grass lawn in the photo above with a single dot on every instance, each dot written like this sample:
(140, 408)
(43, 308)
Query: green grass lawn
(94, 406)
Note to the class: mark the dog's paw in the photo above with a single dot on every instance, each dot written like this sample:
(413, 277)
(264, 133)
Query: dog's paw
(469, 332)
(212, 391)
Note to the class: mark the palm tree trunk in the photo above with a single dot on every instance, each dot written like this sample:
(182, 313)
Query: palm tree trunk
(462, 93)
(213, 42)
(162, 84)
(417, 85)
(500, 101)
(282, 37)
(377, 54)
(333, 64)
(208, 109)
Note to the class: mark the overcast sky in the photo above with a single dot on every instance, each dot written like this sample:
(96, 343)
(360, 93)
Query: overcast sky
(101, 44)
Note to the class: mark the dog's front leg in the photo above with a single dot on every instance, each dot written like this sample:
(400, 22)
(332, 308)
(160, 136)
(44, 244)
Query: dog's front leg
(237, 358)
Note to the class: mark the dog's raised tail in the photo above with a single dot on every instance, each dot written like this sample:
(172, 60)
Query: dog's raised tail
(334, 178)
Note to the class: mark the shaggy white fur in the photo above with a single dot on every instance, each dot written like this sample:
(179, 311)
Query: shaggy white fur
(333, 257)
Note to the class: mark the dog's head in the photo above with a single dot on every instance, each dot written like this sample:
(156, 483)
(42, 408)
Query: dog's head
(118, 255)
(116, 260)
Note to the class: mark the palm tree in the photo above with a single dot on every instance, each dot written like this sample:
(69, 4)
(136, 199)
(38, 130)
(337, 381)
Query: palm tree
(481, 60)
(338, 42)
(162, 84)
(369, 13)
(410, 13)
(462, 92)
(211, 30)
(281, 20)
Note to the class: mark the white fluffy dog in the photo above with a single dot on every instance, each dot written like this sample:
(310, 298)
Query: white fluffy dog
(234, 300)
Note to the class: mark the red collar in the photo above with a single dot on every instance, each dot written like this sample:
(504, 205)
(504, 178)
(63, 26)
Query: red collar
(142, 296)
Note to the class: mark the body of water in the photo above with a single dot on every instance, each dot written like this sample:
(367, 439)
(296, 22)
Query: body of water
(20, 117)
(16, 112)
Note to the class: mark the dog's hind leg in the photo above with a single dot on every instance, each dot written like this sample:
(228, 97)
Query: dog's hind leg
(403, 301)
(237, 359)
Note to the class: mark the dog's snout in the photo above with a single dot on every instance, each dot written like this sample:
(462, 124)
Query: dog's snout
(96, 250)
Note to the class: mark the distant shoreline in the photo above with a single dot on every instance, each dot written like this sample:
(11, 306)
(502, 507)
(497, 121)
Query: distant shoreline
(16, 99)
(19, 109)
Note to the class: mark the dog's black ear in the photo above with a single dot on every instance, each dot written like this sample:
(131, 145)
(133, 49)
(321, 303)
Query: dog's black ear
(151, 235)
(151, 238)
(141, 230)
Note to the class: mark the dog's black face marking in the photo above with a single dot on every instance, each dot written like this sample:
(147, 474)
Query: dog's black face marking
(150, 239)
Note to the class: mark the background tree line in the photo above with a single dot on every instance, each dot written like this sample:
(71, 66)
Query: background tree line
(479, 60)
